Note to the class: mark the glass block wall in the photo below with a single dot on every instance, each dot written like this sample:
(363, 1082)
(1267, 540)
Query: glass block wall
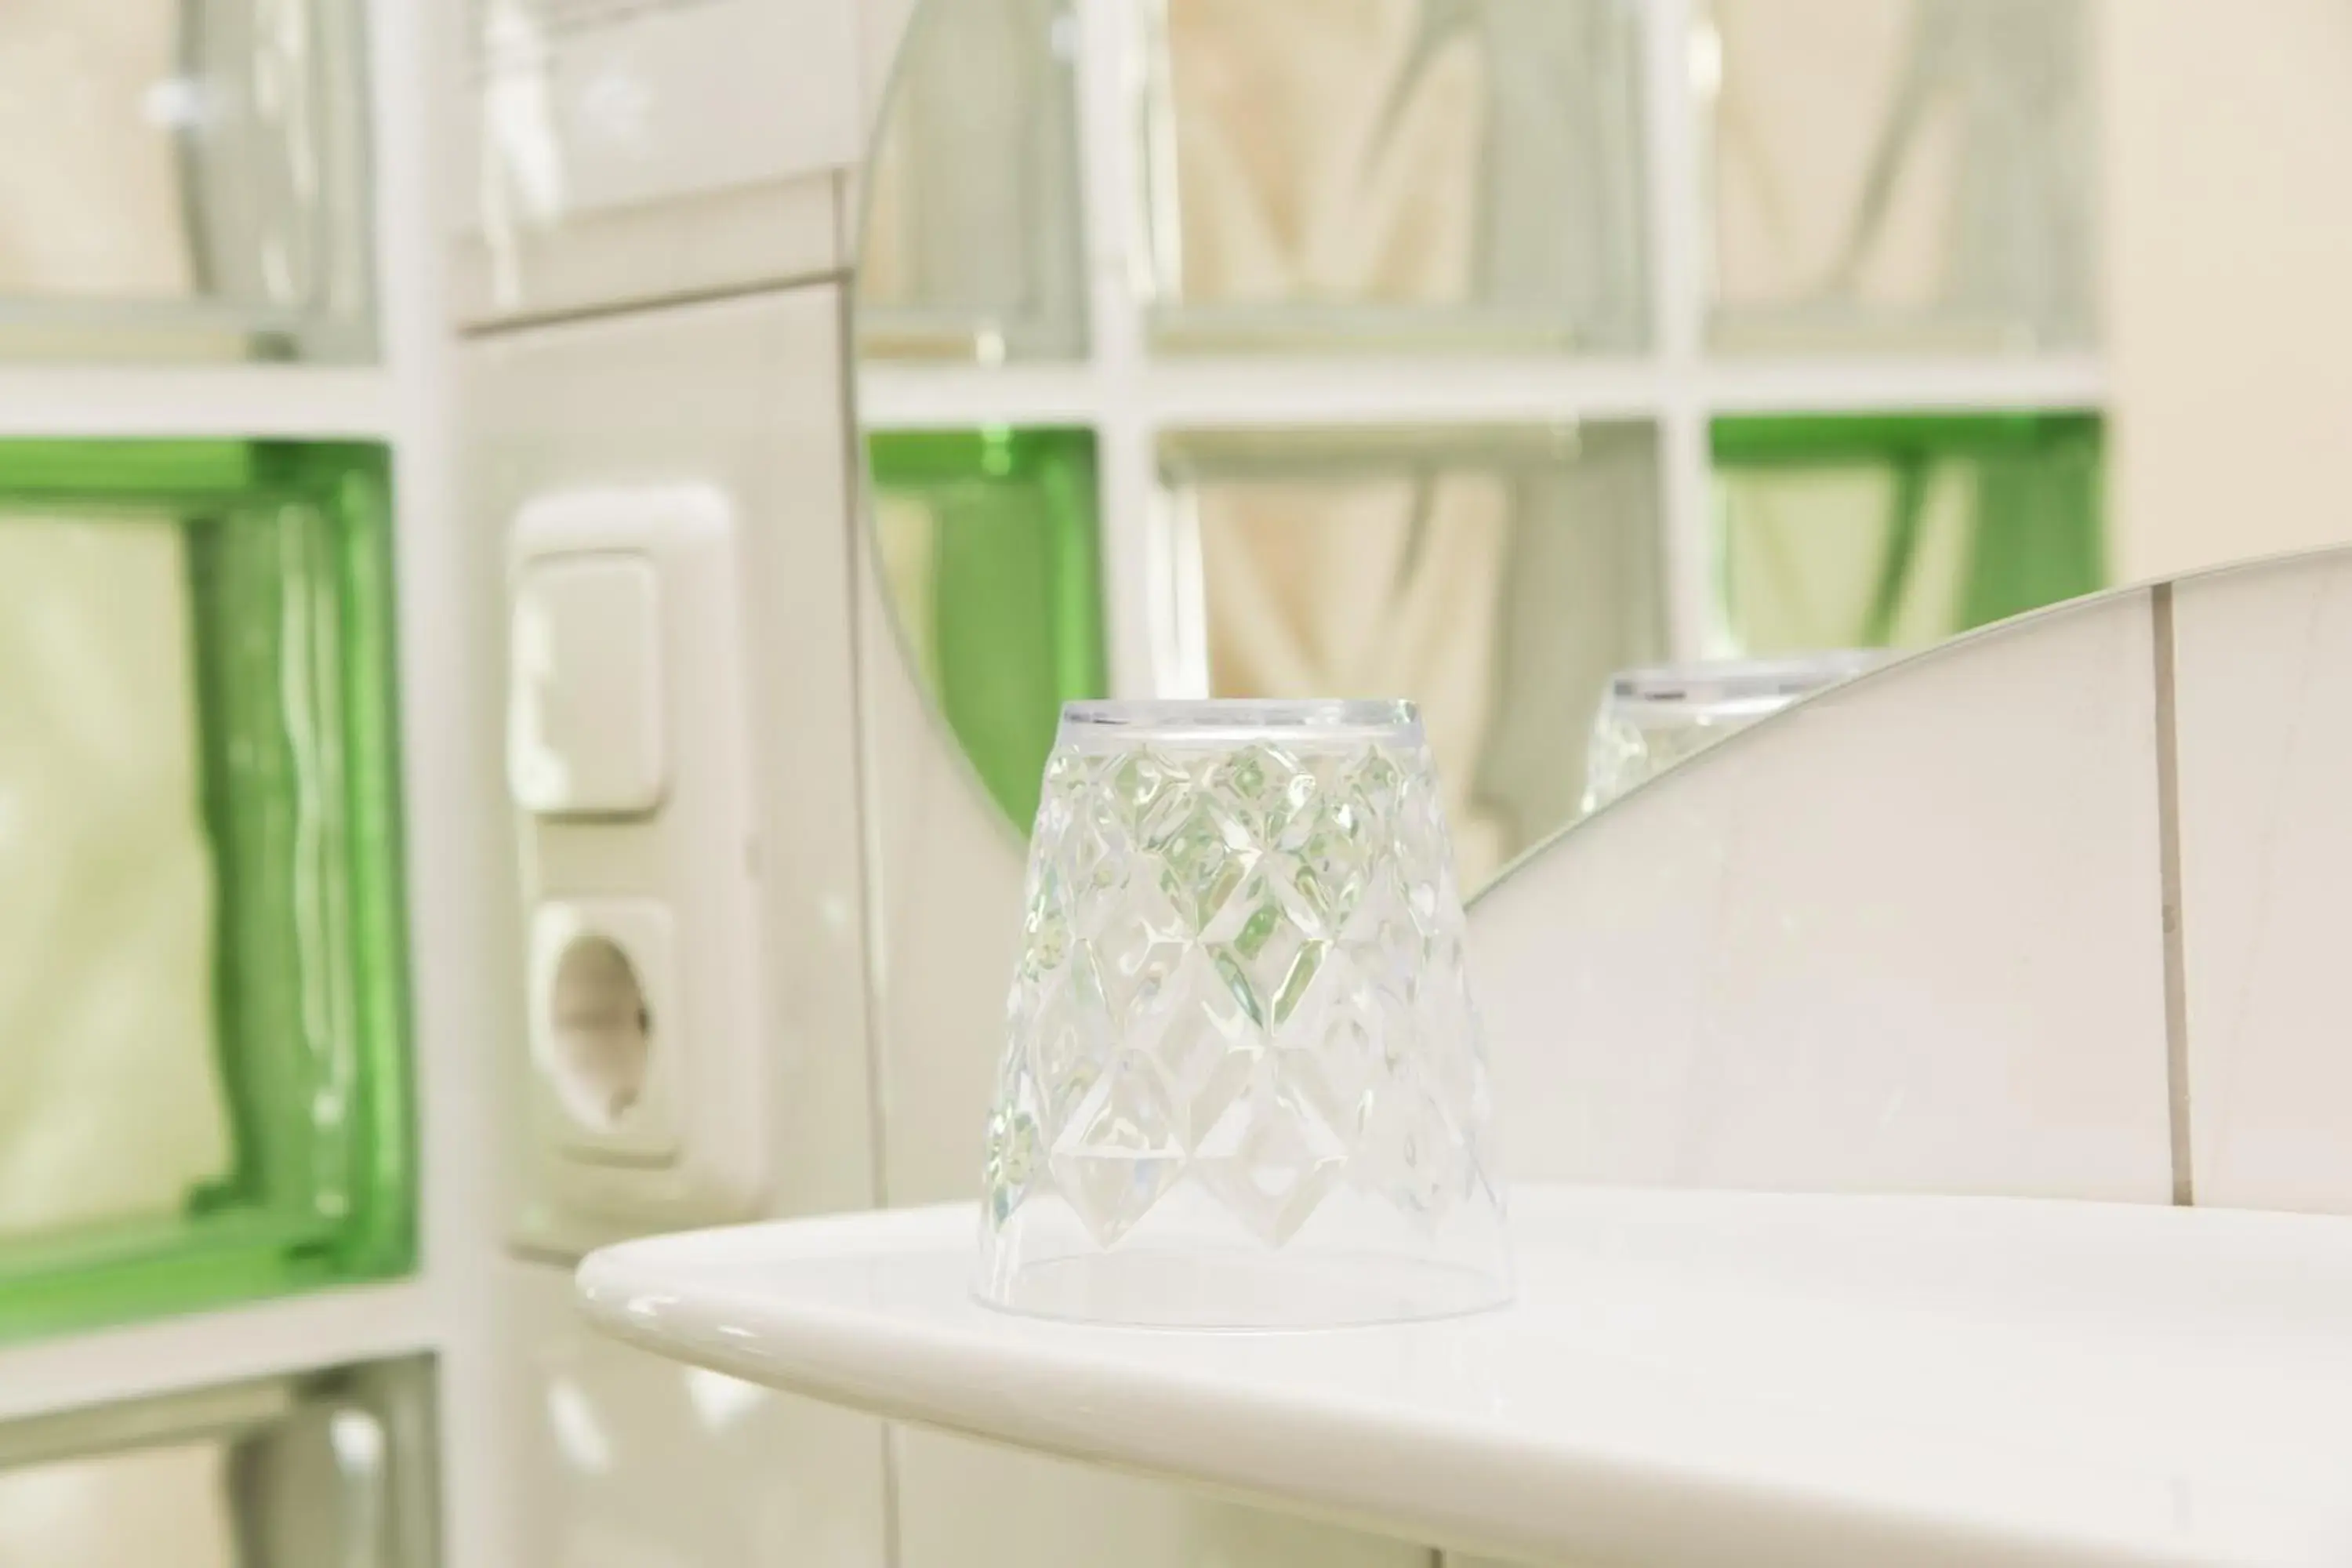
(1394, 176)
(1469, 350)
(206, 1095)
(321, 1467)
(203, 1091)
(988, 543)
(1898, 530)
(184, 180)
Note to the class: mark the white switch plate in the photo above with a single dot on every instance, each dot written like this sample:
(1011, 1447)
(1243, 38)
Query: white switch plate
(632, 771)
(584, 682)
(739, 399)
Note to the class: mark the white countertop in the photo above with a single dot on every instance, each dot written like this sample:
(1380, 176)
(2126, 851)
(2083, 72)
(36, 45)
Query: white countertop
(1686, 1378)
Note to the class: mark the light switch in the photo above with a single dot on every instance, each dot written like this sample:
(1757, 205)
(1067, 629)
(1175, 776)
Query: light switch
(629, 758)
(585, 728)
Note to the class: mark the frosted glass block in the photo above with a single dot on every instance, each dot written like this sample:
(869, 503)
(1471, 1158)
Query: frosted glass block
(1494, 577)
(990, 557)
(183, 179)
(329, 1469)
(1873, 532)
(971, 247)
(203, 1090)
(1900, 175)
(1397, 175)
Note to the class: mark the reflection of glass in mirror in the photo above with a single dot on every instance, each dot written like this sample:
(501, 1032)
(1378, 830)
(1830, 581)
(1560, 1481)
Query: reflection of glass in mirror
(972, 242)
(1900, 173)
(988, 550)
(1898, 532)
(183, 179)
(1480, 574)
(1371, 173)
(1653, 718)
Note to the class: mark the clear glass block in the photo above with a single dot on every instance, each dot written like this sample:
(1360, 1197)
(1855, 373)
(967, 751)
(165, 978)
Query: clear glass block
(332, 1469)
(1243, 1083)
(1397, 175)
(1496, 577)
(204, 1086)
(1898, 532)
(973, 247)
(183, 179)
(989, 555)
(1910, 175)
(1653, 718)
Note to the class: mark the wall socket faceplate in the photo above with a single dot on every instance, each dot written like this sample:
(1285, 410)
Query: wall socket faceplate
(632, 778)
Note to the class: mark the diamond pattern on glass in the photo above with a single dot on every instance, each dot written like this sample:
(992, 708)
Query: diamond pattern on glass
(1242, 978)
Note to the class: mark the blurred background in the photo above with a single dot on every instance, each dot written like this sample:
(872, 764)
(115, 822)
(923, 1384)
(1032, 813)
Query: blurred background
(1014, 352)
(1476, 351)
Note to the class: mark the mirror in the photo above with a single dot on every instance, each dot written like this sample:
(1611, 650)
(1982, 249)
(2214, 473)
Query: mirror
(1475, 351)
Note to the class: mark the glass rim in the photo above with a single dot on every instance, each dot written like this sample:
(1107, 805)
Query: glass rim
(1216, 718)
(1732, 685)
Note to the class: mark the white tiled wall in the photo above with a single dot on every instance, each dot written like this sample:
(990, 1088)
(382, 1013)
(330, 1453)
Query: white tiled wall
(623, 1458)
(2262, 657)
(630, 1461)
(1906, 938)
(2223, 272)
(992, 1508)
(741, 395)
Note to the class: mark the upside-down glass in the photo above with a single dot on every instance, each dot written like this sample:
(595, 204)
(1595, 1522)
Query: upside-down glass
(1652, 719)
(1243, 1084)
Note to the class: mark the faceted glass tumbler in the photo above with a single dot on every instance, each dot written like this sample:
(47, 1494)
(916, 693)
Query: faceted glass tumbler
(1653, 719)
(1243, 1083)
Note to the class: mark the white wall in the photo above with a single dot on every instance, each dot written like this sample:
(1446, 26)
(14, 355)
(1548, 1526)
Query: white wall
(2229, 331)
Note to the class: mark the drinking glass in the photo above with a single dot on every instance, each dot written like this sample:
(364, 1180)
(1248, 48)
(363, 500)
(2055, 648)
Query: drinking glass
(1243, 1084)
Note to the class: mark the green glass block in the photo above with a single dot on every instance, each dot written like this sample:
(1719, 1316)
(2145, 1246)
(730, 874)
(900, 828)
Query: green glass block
(203, 1091)
(1879, 532)
(333, 1468)
(988, 547)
